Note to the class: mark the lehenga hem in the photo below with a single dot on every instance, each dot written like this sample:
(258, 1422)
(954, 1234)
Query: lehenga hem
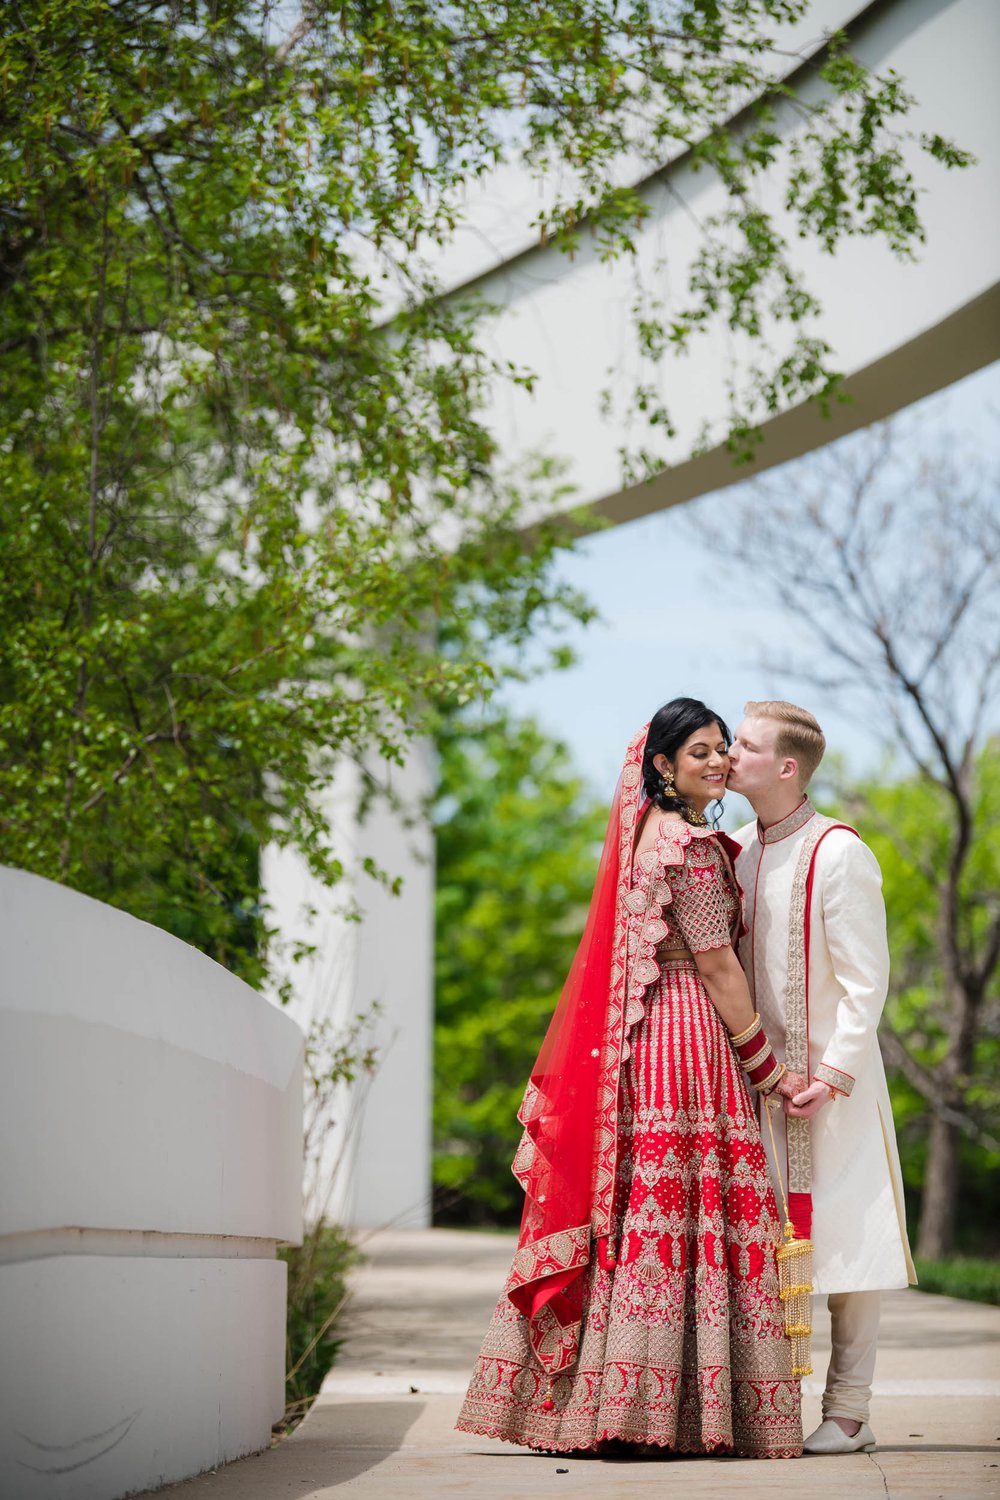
(720, 1449)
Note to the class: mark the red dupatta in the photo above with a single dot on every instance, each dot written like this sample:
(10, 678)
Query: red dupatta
(567, 1158)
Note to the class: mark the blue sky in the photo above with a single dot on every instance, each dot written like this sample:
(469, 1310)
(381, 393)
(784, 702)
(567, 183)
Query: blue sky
(657, 586)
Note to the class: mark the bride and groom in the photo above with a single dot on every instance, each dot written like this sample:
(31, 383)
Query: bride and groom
(720, 983)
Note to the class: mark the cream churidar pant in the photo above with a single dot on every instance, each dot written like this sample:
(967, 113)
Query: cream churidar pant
(854, 1320)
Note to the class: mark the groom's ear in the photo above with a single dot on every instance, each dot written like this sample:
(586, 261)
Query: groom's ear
(789, 769)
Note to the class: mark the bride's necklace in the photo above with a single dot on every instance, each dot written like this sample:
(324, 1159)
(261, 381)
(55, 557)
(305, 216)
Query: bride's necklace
(696, 819)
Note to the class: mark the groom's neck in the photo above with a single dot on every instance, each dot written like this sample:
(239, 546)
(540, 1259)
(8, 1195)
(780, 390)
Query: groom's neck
(774, 807)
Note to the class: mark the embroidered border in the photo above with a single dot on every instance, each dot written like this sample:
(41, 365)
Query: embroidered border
(797, 1132)
(784, 830)
(606, 1114)
(842, 1082)
(643, 963)
(746, 942)
(606, 1138)
(565, 1251)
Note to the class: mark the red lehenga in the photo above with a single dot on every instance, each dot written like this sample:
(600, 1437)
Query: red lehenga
(642, 1303)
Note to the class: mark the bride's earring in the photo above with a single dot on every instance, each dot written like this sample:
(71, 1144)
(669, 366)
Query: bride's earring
(669, 788)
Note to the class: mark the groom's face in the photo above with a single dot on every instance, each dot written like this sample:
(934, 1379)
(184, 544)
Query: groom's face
(754, 766)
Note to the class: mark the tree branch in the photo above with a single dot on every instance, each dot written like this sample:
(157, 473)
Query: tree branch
(896, 1056)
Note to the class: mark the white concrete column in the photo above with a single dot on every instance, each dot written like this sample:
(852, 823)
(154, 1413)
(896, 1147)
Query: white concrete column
(370, 1162)
(392, 1170)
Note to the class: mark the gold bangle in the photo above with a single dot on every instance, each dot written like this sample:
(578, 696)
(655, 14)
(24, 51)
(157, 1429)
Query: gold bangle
(768, 1085)
(744, 1036)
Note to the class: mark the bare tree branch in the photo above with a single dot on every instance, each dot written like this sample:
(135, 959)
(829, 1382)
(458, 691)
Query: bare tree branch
(896, 1056)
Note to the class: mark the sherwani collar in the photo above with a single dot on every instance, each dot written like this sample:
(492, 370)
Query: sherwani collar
(796, 819)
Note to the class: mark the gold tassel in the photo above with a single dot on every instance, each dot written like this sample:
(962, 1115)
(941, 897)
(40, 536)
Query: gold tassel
(795, 1276)
(795, 1279)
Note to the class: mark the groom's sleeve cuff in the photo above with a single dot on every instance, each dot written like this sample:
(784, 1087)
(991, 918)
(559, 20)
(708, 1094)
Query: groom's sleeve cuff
(843, 1083)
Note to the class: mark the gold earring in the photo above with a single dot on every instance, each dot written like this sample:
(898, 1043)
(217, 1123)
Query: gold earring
(669, 788)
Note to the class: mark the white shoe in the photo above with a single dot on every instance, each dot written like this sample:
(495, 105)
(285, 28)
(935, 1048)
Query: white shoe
(830, 1437)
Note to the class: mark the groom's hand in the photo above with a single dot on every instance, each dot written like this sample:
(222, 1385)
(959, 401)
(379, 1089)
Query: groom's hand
(808, 1103)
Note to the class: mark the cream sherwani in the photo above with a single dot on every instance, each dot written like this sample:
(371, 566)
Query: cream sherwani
(859, 1232)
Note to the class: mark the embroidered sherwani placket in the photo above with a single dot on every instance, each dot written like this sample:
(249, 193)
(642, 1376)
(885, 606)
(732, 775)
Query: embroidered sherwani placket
(858, 1228)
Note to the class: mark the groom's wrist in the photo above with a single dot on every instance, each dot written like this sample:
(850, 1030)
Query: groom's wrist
(837, 1081)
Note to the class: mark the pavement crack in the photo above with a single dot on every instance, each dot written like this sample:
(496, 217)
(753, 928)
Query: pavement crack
(885, 1483)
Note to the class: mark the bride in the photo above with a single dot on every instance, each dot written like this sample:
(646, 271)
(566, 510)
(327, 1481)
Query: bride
(642, 1304)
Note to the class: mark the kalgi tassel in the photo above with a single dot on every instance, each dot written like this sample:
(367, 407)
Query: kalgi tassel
(795, 1280)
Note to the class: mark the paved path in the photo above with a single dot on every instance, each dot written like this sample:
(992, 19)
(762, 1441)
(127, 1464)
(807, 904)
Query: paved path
(382, 1428)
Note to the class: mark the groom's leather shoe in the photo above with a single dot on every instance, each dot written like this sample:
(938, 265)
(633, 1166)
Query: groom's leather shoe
(829, 1437)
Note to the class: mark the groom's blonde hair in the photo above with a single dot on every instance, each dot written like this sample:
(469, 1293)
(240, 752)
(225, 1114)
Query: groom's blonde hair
(799, 734)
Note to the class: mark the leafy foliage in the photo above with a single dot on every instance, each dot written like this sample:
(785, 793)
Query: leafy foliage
(518, 837)
(243, 433)
(337, 1060)
(908, 825)
(962, 1276)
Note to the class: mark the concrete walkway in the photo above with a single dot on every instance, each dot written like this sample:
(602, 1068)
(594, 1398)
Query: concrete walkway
(382, 1427)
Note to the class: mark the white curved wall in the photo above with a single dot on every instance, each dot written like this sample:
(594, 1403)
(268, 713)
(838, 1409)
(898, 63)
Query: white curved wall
(151, 1119)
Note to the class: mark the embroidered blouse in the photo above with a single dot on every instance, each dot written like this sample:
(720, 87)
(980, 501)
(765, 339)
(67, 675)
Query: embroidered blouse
(682, 895)
(705, 907)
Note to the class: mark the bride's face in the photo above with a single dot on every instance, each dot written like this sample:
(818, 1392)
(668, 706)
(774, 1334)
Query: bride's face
(701, 766)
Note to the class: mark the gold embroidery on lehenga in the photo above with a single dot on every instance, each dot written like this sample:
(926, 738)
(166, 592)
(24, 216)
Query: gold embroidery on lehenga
(682, 1345)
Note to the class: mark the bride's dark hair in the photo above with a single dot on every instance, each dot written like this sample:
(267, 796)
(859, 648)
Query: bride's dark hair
(669, 727)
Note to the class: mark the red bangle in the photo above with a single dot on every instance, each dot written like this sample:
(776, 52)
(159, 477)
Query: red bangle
(757, 1056)
(759, 1076)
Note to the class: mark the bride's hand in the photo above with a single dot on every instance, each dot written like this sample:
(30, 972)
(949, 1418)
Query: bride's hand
(789, 1084)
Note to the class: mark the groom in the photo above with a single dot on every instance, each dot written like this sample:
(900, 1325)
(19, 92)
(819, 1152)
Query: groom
(817, 963)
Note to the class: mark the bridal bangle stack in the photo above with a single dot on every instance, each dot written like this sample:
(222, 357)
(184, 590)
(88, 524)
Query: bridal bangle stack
(756, 1057)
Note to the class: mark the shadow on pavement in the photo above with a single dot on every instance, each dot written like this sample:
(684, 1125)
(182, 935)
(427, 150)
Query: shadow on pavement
(337, 1443)
(343, 1439)
(917, 1447)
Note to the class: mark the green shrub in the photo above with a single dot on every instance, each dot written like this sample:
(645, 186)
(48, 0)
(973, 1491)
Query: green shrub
(518, 837)
(973, 1280)
(317, 1290)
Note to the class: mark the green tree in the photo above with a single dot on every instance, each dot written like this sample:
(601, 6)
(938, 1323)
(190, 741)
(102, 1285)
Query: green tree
(518, 837)
(242, 431)
(909, 826)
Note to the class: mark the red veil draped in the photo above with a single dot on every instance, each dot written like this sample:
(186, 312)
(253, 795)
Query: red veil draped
(567, 1156)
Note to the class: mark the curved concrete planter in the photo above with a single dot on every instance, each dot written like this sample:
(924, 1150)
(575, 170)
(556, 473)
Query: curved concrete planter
(151, 1120)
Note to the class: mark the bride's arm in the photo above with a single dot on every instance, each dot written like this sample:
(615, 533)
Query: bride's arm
(701, 912)
(725, 982)
(727, 987)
